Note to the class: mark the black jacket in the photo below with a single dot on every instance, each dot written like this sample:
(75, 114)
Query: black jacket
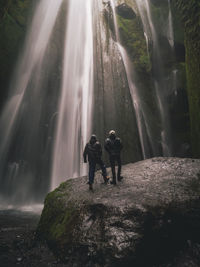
(113, 146)
(93, 152)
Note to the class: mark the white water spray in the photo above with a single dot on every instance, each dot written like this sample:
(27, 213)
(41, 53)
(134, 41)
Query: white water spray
(75, 108)
(31, 61)
(170, 31)
(17, 182)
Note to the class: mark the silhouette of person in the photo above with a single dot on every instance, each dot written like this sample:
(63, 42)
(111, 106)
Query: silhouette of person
(93, 152)
(113, 146)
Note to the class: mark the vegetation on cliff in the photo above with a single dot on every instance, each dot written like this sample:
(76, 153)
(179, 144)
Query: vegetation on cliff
(14, 16)
(190, 15)
(173, 61)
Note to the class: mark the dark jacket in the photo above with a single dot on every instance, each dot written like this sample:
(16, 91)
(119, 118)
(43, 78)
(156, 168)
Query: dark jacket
(113, 146)
(93, 151)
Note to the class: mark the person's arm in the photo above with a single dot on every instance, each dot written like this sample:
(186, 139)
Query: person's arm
(118, 144)
(100, 150)
(85, 153)
(121, 145)
(107, 146)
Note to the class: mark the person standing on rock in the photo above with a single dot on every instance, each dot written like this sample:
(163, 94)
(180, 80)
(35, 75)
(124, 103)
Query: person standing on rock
(93, 152)
(113, 146)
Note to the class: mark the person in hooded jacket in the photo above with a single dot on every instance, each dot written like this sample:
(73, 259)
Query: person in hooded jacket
(93, 152)
(113, 146)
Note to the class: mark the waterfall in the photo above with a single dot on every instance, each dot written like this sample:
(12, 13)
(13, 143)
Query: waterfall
(37, 106)
(147, 140)
(75, 108)
(75, 77)
(21, 120)
(113, 107)
(160, 75)
(170, 30)
(29, 117)
(29, 65)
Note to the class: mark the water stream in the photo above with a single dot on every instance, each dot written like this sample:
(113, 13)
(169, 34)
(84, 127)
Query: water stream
(162, 87)
(170, 30)
(21, 128)
(144, 127)
(75, 108)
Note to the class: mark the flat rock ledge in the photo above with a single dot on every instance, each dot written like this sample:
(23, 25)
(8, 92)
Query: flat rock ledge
(151, 218)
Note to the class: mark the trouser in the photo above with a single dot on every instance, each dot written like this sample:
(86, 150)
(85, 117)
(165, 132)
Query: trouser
(113, 159)
(92, 167)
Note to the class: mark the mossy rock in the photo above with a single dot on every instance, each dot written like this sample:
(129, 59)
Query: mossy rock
(57, 220)
(132, 37)
(125, 11)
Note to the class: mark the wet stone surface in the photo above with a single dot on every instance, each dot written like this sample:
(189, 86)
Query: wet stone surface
(151, 218)
(18, 246)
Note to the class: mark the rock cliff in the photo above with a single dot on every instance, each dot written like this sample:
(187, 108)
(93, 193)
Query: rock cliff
(14, 16)
(189, 12)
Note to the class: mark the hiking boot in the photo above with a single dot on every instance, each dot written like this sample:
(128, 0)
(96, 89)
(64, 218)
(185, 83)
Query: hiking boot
(90, 187)
(113, 182)
(120, 178)
(106, 179)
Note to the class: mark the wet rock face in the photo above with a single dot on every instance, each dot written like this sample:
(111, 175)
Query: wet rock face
(190, 16)
(125, 11)
(150, 218)
(14, 16)
(158, 2)
(112, 102)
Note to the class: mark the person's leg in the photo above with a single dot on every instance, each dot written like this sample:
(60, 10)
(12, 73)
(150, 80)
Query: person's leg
(103, 169)
(92, 166)
(119, 177)
(112, 163)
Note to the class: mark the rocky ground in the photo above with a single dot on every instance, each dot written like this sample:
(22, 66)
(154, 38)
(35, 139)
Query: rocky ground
(18, 246)
(149, 219)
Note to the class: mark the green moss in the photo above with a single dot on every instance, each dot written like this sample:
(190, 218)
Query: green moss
(13, 21)
(19, 11)
(58, 218)
(132, 38)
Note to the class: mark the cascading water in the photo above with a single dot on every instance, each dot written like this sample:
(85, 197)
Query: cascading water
(170, 37)
(21, 120)
(162, 88)
(142, 113)
(113, 107)
(74, 123)
(170, 30)
(29, 117)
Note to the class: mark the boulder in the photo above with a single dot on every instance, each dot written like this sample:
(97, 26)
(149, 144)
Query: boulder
(151, 218)
(125, 11)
